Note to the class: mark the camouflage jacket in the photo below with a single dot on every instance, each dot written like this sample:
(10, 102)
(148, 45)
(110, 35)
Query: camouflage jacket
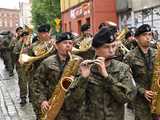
(103, 98)
(142, 74)
(47, 76)
(17, 49)
(130, 44)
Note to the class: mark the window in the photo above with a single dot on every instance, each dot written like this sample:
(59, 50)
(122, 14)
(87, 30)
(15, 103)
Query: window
(5, 23)
(156, 13)
(65, 27)
(79, 26)
(1, 23)
(138, 18)
(10, 23)
(70, 26)
(88, 20)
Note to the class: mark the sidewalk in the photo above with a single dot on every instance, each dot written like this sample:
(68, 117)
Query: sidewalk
(9, 99)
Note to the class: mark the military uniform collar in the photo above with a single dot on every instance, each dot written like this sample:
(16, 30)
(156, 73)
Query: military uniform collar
(139, 53)
(62, 63)
(112, 65)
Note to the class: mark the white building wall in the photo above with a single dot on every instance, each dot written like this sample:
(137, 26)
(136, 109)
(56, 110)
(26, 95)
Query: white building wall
(25, 13)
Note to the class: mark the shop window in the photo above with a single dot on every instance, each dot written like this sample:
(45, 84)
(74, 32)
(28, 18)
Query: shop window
(147, 15)
(138, 18)
(156, 13)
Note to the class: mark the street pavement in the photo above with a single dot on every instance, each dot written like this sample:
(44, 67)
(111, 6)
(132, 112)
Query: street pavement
(10, 108)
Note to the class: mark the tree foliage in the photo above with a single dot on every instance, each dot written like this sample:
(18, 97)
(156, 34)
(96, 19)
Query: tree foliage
(45, 11)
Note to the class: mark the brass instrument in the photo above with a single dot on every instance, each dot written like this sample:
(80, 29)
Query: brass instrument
(155, 87)
(25, 43)
(41, 51)
(57, 99)
(84, 45)
(25, 58)
(120, 37)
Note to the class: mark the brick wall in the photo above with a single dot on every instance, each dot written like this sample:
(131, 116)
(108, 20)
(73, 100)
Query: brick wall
(9, 19)
(100, 11)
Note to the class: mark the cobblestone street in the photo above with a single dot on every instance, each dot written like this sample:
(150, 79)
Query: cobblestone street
(9, 99)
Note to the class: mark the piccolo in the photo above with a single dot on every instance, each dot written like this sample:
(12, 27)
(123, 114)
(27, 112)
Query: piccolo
(90, 62)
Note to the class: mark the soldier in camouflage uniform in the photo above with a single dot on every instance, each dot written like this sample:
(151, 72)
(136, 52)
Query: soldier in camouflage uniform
(6, 52)
(50, 70)
(22, 76)
(42, 43)
(85, 35)
(141, 60)
(129, 41)
(105, 86)
(15, 54)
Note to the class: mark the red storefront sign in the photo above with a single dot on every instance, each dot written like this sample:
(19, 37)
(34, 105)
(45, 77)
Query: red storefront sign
(82, 10)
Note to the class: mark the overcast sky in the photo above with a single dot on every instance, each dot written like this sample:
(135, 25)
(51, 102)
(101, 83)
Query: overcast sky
(10, 3)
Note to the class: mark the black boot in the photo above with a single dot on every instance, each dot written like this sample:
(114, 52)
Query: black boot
(11, 74)
(23, 102)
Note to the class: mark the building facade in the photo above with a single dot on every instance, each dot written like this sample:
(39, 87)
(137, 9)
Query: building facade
(9, 19)
(77, 12)
(137, 12)
(25, 13)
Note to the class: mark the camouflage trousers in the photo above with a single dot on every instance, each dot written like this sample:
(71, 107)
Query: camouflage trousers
(33, 96)
(8, 62)
(23, 81)
(142, 109)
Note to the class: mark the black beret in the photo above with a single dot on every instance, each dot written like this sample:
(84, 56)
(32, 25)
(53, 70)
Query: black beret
(101, 25)
(44, 28)
(25, 33)
(128, 34)
(64, 36)
(19, 28)
(85, 27)
(142, 29)
(103, 36)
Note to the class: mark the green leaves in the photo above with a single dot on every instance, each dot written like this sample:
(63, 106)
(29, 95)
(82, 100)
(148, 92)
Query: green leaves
(45, 11)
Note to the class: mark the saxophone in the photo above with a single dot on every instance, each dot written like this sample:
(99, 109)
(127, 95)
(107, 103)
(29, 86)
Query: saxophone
(155, 87)
(57, 99)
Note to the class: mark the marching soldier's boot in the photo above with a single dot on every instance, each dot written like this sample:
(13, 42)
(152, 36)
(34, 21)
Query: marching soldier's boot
(23, 101)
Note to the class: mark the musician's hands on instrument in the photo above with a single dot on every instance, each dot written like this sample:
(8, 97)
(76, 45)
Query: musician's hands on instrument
(100, 61)
(148, 94)
(85, 68)
(44, 106)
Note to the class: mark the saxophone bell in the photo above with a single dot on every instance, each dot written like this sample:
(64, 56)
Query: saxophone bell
(66, 83)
